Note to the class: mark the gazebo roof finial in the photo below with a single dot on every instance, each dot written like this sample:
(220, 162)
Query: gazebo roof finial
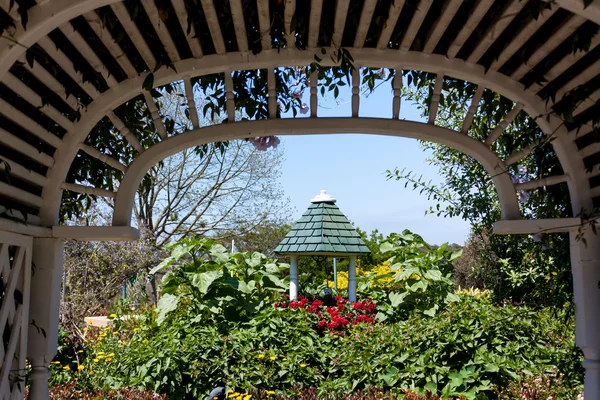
(323, 197)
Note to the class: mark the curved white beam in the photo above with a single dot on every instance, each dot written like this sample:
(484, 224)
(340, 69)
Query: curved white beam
(312, 126)
(389, 58)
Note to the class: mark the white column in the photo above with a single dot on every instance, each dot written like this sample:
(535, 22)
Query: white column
(585, 260)
(352, 279)
(294, 286)
(44, 311)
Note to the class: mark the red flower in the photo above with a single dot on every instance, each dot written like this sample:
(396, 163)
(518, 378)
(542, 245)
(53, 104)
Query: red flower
(358, 306)
(317, 303)
(294, 304)
(322, 323)
(312, 308)
(340, 306)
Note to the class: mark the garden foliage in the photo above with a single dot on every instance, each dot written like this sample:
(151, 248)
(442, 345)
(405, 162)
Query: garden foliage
(224, 318)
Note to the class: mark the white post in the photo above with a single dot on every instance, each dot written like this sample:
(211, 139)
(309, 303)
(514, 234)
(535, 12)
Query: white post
(335, 274)
(294, 286)
(585, 266)
(43, 313)
(352, 279)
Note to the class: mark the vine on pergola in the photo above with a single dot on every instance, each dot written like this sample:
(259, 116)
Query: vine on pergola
(250, 86)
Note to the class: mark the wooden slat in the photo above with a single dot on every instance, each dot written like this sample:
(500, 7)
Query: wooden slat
(109, 41)
(415, 24)
(23, 120)
(213, 26)
(314, 100)
(547, 47)
(474, 18)
(20, 195)
(192, 40)
(237, 14)
(126, 133)
(161, 29)
(365, 21)
(189, 94)
(51, 82)
(230, 103)
(578, 80)
(316, 9)
(397, 87)
(522, 37)
(73, 187)
(512, 114)
(472, 110)
(521, 154)
(288, 14)
(548, 181)
(448, 12)
(264, 23)
(105, 158)
(22, 172)
(158, 122)
(88, 53)
(435, 98)
(272, 95)
(36, 100)
(67, 65)
(25, 148)
(390, 24)
(341, 12)
(134, 34)
(356, 91)
(510, 13)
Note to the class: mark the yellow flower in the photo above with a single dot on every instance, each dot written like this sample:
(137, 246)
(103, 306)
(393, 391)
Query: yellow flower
(115, 333)
(272, 358)
(229, 390)
(67, 368)
(284, 358)
(302, 365)
(91, 372)
(81, 367)
(112, 316)
(111, 355)
(261, 356)
(145, 341)
(232, 395)
(96, 360)
(248, 397)
(80, 351)
(56, 362)
(108, 359)
(136, 329)
(269, 392)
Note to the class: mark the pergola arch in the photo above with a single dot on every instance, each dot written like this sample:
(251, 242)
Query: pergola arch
(39, 140)
(432, 63)
(494, 166)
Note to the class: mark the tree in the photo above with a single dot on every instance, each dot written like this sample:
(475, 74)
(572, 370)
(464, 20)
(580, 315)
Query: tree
(534, 268)
(209, 191)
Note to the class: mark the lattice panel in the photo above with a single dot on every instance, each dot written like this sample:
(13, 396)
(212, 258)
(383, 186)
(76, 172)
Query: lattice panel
(15, 276)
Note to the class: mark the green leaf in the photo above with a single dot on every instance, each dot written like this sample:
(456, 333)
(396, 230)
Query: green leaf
(431, 386)
(148, 82)
(397, 298)
(431, 312)
(166, 304)
(204, 280)
(385, 247)
(456, 255)
(434, 274)
(451, 298)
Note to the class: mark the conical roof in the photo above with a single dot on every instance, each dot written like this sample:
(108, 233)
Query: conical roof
(322, 230)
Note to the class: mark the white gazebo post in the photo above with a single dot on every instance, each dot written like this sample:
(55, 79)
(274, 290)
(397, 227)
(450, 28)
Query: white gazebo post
(352, 279)
(585, 266)
(294, 286)
(43, 313)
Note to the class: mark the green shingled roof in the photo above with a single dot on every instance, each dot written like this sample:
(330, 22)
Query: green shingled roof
(322, 229)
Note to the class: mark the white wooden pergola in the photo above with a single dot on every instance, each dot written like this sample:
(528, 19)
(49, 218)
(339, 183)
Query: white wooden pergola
(40, 139)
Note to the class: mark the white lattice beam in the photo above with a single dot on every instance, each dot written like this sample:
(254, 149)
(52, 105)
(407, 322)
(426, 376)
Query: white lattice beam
(189, 94)
(20, 195)
(521, 154)
(397, 88)
(82, 189)
(288, 14)
(125, 132)
(213, 26)
(134, 34)
(415, 24)
(51, 82)
(548, 181)
(272, 93)
(531, 226)
(156, 117)
(264, 23)
(472, 110)
(467, 29)
(390, 23)
(435, 98)
(239, 24)
(507, 120)
(448, 12)
(161, 29)
(25, 148)
(29, 124)
(511, 11)
(22, 172)
(316, 9)
(341, 12)
(190, 31)
(364, 23)
(105, 158)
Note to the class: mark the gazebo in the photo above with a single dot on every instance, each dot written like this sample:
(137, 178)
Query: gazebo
(72, 71)
(323, 230)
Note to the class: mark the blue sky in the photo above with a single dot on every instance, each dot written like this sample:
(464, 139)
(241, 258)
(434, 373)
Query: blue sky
(352, 169)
